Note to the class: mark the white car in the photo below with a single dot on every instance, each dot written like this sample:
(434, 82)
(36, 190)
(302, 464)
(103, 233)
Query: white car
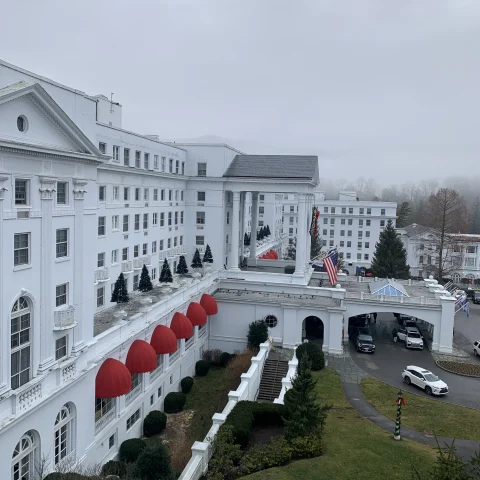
(424, 379)
(476, 348)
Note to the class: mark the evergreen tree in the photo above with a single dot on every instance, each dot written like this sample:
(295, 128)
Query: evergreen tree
(475, 217)
(403, 213)
(258, 236)
(120, 292)
(249, 238)
(145, 284)
(197, 261)
(316, 244)
(245, 239)
(304, 415)
(182, 268)
(207, 256)
(268, 231)
(166, 274)
(390, 257)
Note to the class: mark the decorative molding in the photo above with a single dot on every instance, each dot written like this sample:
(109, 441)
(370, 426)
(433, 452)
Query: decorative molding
(63, 213)
(48, 187)
(9, 214)
(79, 170)
(79, 190)
(47, 167)
(35, 214)
(56, 156)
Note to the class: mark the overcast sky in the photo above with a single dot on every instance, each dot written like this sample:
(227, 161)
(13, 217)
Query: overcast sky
(383, 88)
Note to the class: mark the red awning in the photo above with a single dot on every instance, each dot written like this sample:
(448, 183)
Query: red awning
(141, 357)
(196, 314)
(209, 304)
(274, 254)
(181, 326)
(113, 379)
(163, 340)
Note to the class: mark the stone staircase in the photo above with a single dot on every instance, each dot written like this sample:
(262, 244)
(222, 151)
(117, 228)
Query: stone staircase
(271, 382)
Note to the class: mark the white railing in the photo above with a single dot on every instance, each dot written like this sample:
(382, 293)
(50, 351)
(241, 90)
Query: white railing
(104, 420)
(101, 275)
(202, 330)
(390, 299)
(189, 343)
(409, 282)
(132, 394)
(127, 266)
(156, 373)
(172, 252)
(174, 357)
(27, 396)
(201, 248)
(248, 389)
(287, 380)
(139, 262)
(64, 318)
(68, 372)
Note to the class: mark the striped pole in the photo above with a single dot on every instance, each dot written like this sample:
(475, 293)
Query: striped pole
(398, 420)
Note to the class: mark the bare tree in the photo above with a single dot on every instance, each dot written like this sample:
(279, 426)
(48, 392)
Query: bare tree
(445, 215)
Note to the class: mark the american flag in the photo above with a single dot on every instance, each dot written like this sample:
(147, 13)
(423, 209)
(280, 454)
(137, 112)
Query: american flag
(330, 262)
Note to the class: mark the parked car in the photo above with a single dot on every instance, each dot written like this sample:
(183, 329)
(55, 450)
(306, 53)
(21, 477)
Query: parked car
(401, 319)
(357, 322)
(476, 348)
(476, 296)
(411, 337)
(363, 331)
(365, 343)
(424, 379)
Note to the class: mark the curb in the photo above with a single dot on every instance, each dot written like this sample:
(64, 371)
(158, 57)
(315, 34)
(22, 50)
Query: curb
(456, 373)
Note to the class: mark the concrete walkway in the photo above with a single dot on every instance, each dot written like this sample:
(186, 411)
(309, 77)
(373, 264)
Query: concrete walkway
(351, 376)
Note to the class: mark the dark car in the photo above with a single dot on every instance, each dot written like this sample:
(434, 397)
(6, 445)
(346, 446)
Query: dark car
(365, 343)
(356, 322)
(476, 296)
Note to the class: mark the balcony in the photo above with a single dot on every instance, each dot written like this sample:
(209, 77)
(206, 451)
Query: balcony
(138, 263)
(27, 396)
(133, 394)
(64, 319)
(127, 266)
(172, 252)
(101, 275)
(104, 420)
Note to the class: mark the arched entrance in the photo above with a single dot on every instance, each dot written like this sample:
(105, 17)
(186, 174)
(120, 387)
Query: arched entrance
(312, 329)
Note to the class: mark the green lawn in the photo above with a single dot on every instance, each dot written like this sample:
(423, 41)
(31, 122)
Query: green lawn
(355, 448)
(422, 413)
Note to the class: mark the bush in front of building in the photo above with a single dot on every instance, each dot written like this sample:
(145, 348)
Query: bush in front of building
(154, 423)
(131, 449)
(257, 334)
(114, 468)
(154, 464)
(212, 356)
(225, 358)
(315, 355)
(201, 368)
(174, 402)
(186, 384)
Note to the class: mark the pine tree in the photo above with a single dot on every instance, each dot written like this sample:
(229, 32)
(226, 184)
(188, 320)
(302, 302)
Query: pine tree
(120, 292)
(403, 212)
(197, 261)
(390, 257)
(166, 274)
(304, 415)
(182, 268)
(316, 244)
(245, 239)
(268, 231)
(207, 256)
(145, 284)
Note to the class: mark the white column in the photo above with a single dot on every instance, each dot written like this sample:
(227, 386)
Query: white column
(335, 334)
(253, 236)
(235, 231)
(5, 327)
(47, 191)
(301, 235)
(309, 238)
(446, 325)
(242, 224)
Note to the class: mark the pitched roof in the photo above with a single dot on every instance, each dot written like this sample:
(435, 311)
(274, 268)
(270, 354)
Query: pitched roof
(387, 287)
(274, 166)
(415, 229)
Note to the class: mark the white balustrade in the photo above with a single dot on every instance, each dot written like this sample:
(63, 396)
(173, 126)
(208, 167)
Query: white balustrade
(156, 373)
(139, 262)
(132, 394)
(174, 356)
(104, 420)
(65, 318)
(127, 266)
(202, 330)
(68, 372)
(27, 396)
(101, 275)
(189, 343)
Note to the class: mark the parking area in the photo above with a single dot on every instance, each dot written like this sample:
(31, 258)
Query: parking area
(389, 360)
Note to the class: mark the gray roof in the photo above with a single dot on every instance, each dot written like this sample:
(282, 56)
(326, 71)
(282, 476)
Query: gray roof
(16, 87)
(379, 284)
(415, 229)
(274, 166)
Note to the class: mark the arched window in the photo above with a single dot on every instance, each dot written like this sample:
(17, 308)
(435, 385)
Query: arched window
(271, 321)
(25, 457)
(456, 277)
(20, 337)
(64, 433)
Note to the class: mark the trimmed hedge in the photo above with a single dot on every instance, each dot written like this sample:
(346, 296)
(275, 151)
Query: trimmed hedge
(225, 358)
(154, 464)
(114, 468)
(212, 356)
(131, 449)
(174, 402)
(273, 454)
(186, 384)
(154, 423)
(315, 355)
(201, 368)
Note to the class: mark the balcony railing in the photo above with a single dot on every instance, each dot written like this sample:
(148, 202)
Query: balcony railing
(101, 275)
(27, 396)
(104, 420)
(132, 394)
(127, 266)
(156, 373)
(138, 263)
(64, 319)
(172, 252)
(189, 343)
(174, 356)
(202, 330)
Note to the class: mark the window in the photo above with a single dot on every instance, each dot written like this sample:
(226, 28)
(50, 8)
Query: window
(330, 243)
(21, 192)
(349, 233)
(271, 321)
(101, 226)
(359, 256)
(359, 234)
(146, 194)
(420, 259)
(200, 196)
(200, 240)
(101, 260)
(62, 193)
(332, 233)
(114, 256)
(332, 221)
(152, 399)
(342, 243)
(176, 195)
(115, 221)
(325, 209)
(135, 286)
(429, 260)
(369, 212)
(102, 147)
(162, 219)
(342, 221)
(362, 211)
(162, 194)
(349, 255)
(102, 193)
(25, 458)
(20, 343)
(261, 210)
(325, 220)
(324, 242)
(470, 261)
(174, 241)
(62, 243)
(154, 218)
(116, 153)
(176, 218)
(100, 297)
(366, 256)
(160, 245)
(169, 219)
(146, 160)
(111, 441)
(163, 163)
(145, 221)
(136, 222)
(170, 165)
(471, 249)
(155, 194)
(177, 167)
(116, 194)
(126, 193)
(155, 162)
(133, 419)
(126, 157)
(125, 223)
(290, 231)
(181, 218)
(382, 223)
(103, 406)
(360, 222)
(368, 223)
(183, 168)
(137, 194)
(138, 156)
(359, 245)
(145, 249)
(344, 209)
(181, 196)
(367, 233)
(349, 243)
(61, 295)
(332, 210)
(154, 246)
(350, 210)
(180, 240)
(367, 244)
(124, 253)
(200, 218)
(170, 195)
(201, 169)
(135, 251)
(342, 233)
(169, 242)
(382, 211)
(60, 347)
(21, 248)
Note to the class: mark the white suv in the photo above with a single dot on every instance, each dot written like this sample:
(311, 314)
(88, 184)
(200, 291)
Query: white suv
(424, 379)
(476, 348)
(411, 337)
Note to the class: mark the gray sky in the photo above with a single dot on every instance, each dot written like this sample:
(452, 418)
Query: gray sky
(384, 88)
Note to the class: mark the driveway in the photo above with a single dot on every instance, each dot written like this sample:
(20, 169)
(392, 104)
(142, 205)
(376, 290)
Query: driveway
(389, 360)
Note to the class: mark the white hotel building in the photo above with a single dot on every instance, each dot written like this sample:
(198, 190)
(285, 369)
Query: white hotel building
(83, 200)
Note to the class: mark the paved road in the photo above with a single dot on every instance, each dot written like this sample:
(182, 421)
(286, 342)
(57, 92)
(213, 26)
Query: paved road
(467, 330)
(391, 358)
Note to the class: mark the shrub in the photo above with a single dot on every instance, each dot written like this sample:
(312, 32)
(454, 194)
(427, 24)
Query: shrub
(239, 364)
(174, 402)
(186, 384)
(201, 368)
(306, 447)
(225, 461)
(268, 414)
(225, 357)
(257, 334)
(154, 423)
(114, 468)
(315, 355)
(154, 464)
(131, 449)
(212, 356)
(273, 454)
